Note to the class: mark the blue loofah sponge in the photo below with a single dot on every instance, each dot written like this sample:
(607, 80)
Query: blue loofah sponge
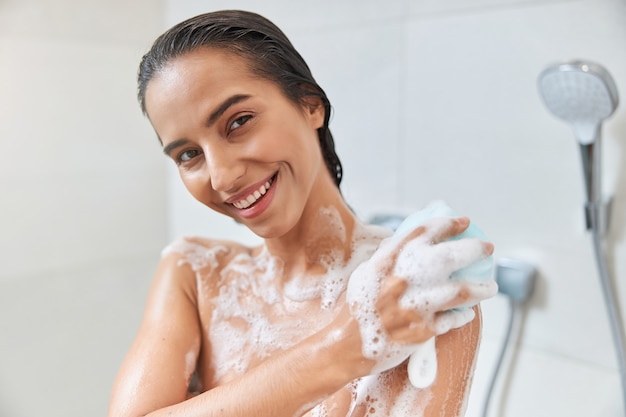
(480, 271)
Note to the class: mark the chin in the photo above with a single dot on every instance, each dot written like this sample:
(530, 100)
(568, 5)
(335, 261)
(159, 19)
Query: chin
(271, 232)
(265, 233)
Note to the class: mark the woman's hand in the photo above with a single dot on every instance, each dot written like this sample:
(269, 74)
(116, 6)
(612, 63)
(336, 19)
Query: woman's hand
(403, 295)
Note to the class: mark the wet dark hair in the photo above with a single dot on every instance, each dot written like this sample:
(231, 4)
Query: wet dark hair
(268, 51)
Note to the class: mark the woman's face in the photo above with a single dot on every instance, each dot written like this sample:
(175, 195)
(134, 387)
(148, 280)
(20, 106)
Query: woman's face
(241, 147)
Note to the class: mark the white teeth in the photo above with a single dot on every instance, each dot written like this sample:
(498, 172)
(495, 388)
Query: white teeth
(253, 197)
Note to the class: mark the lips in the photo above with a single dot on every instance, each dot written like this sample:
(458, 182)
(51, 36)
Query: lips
(253, 196)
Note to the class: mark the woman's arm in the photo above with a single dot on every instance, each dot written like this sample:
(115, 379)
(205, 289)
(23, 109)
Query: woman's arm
(159, 364)
(154, 377)
(289, 383)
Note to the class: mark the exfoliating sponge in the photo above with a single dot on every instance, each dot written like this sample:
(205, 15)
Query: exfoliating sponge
(480, 271)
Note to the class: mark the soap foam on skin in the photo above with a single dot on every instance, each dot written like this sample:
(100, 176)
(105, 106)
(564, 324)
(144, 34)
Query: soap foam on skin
(368, 391)
(196, 255)
(256, 313)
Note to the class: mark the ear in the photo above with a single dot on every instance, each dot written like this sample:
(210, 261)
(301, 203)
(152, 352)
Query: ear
(314, 111)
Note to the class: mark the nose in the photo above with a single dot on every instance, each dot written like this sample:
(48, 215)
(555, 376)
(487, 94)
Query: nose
(224, 168)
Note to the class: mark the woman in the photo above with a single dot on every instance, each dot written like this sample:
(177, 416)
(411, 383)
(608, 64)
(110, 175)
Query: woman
(230, 330)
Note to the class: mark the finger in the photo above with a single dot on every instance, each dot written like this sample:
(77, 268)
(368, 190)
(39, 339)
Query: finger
(386, 255)
(400, 324)
(433, 231)
(414, 333)
(452, 294)
(457, 254)
(423, 265)
(452, 319)
(441, 228)
(392, 289)
(391, 315)
(470, 293)
(407, 326)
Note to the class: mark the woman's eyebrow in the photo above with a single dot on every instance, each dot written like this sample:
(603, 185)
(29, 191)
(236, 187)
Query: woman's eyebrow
(220, 110)
(175, 144)
(225, 105)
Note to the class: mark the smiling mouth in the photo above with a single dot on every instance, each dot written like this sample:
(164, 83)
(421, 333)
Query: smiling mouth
(254, 196)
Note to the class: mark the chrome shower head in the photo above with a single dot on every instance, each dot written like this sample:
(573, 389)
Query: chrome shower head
(581, 93)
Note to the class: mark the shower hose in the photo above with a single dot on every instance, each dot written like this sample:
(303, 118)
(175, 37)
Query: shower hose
(611, 301)
(615, 320)
(513, 323)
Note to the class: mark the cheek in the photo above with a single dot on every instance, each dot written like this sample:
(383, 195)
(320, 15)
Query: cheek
(291, 131)
(196, 187)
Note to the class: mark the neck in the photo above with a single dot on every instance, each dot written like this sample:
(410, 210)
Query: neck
(324, 232)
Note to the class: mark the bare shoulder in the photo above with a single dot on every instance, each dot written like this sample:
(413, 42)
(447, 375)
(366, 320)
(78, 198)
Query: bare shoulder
(201, 253)
(188, 259)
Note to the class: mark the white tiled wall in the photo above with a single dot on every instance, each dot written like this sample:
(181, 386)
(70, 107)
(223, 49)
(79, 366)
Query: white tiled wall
(440, 99)
(82, 199)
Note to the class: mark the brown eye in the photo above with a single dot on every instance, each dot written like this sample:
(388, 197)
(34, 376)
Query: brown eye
(187, 155)
(240, 121)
